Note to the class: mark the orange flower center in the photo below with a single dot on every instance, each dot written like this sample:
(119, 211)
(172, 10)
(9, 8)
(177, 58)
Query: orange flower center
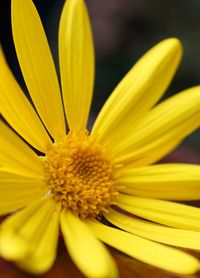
(80, 175)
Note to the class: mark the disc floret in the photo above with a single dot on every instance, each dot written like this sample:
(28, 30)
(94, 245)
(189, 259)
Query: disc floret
(80, 175)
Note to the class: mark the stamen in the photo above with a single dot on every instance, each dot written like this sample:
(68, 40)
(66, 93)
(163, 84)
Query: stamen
(80, 175)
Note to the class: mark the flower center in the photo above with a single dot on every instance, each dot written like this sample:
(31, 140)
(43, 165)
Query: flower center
(80, 175)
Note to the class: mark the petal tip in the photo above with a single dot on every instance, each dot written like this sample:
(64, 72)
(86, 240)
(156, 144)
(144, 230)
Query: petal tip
(175, 44)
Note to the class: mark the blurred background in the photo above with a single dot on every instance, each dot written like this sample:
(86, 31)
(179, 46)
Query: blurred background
(123, 30)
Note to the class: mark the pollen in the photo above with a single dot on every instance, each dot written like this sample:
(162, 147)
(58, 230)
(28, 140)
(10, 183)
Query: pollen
(80, 175)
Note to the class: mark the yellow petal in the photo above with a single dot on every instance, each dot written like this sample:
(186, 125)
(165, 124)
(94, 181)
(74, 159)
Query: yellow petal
(138, 92)
(42, 254)
(86, 251)
(76, 55)
(18, 191)
(168, 122)
(168, 213)
(37, 65)
(17, 110)
(146, 251)
(155, 232)
(16, 155)
(29, 237)
(164, 181)
(155, 156)
(12, 245)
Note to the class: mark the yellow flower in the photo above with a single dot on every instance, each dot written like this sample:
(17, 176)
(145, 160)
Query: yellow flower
(77, 179)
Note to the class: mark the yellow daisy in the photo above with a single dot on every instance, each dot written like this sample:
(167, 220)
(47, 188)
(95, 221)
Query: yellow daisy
(78, 179)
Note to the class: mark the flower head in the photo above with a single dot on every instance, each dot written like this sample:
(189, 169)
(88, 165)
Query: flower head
(81, 177)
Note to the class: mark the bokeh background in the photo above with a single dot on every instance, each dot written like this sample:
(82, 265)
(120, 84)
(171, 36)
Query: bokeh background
(123, 30)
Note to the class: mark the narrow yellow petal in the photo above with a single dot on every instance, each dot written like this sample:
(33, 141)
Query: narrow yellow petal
(30, 236)
(42, 254)
(16, 155)
(18, 191)
(162, 194)
(86, 251)
(146, 251)
(155, 232)
(170, 121)
(138, 92)
(159, 152)
(164, 181)
(168, 213)
(76, 55)
(18, 111)
(8, 250)
(13, 246)
(37, 65)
